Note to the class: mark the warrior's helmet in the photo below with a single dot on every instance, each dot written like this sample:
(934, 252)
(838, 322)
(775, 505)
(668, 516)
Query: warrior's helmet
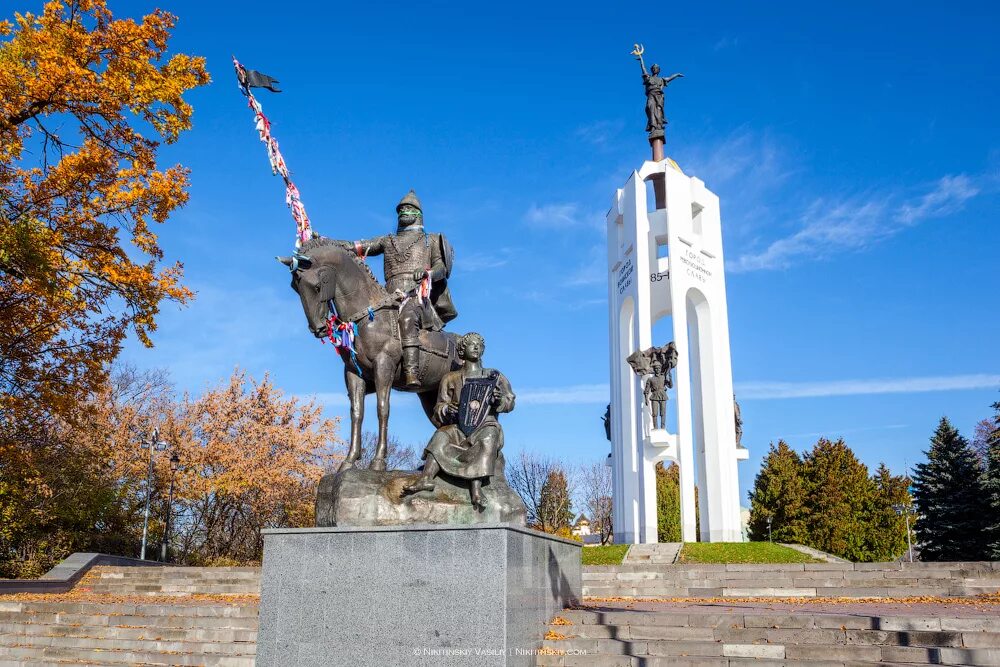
(411, 199)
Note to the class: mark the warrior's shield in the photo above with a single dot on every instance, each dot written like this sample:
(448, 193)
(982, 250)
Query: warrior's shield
(474, 404)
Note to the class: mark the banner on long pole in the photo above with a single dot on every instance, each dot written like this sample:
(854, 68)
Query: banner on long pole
(252, 79)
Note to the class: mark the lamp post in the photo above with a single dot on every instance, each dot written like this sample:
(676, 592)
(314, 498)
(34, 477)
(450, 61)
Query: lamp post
(154, 444)
(174, 464)
(769, 520)
(904, 510)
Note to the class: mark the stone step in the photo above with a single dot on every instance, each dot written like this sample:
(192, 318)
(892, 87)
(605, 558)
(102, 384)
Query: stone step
(62, 656)
(989, 569)
(192, 632)
(737, 633)
(788, 652)
(693, 661)
(152, 573)
(129, 609)
(129, 645)
(173, 581)
(577, 618)
(886, 593)
(136, 621)
(174, 590)
(176, 569)
(654, 571)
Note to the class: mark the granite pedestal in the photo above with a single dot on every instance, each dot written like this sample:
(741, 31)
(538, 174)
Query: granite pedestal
(412, 595)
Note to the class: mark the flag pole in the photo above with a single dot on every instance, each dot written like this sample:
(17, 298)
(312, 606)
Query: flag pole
(303, 227)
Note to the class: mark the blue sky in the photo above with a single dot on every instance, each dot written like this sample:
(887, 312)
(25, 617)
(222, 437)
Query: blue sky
(855, 148)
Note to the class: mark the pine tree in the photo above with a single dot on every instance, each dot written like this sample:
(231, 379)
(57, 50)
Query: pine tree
(885, 527)
(779, 493)
(991, 491)
(948, 493)
(839, 499)
(668, 503)
(556, 506)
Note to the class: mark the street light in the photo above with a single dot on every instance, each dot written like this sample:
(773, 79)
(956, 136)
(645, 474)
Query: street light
(769, 520)
(154, 444)
(174, 464)
(904, 510)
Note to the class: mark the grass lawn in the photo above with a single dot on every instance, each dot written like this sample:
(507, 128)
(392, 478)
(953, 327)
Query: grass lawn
(611, 554)
(740, 552)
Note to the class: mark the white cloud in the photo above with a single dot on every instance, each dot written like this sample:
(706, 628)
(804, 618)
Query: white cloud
(725, 43)
(600, 393)
(600, 133)
(328, 399)
(593, 270)
(948, 196)
(564, 217)
(554, 216)
(856, 224)
(204, 341)
(766, 390)
(482, 261)
(578, 393)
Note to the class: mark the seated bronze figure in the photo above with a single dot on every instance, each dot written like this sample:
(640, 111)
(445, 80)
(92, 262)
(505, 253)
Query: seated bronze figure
(469, 438)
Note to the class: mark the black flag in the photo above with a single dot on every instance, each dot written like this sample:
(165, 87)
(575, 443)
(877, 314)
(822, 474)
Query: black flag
(255, 79)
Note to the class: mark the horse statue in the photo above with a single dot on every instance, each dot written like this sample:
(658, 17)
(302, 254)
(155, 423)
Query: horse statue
(340, 295)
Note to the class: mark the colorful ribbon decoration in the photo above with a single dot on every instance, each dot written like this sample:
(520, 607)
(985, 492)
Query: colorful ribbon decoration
(303, 226)
(424, 288)
(342, 334)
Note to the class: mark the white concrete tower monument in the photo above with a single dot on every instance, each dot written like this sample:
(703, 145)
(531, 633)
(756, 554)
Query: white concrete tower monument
(665, 260)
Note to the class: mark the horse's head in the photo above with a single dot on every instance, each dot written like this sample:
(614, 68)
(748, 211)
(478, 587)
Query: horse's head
(324, 270)
(314, 277)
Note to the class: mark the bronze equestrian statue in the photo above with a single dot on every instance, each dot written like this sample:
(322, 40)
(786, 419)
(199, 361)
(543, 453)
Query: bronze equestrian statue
(339, 292)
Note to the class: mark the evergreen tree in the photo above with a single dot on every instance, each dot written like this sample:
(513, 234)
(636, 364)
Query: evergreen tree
(991, 491)
(556, 506)
(886, 529)
(840, 497)
(668, 503)
(948, 493)
(779, 493)
(995, 435)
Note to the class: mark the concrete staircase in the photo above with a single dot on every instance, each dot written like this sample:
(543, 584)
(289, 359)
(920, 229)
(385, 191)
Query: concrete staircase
(707, 637)
(167, 616)
(664, 553)
(94, 633)
(173, 581)
(651, 579)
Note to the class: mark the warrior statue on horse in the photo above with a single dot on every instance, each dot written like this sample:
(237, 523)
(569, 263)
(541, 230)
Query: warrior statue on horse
(388, 337)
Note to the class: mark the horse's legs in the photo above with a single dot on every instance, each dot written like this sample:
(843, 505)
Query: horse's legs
(385, 371)
(356, 394)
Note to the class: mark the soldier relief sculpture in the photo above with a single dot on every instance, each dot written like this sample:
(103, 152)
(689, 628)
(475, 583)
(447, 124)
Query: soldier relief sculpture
(655, 365)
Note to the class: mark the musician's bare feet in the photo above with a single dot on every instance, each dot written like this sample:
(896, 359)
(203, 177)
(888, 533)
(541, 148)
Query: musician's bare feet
(417, 487)
(478, 500)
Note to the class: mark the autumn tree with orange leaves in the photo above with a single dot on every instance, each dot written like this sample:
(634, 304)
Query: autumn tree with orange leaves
(250, 459)
(86, 100)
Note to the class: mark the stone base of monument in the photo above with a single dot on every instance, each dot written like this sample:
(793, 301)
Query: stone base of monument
(358, 497)
(412, 595)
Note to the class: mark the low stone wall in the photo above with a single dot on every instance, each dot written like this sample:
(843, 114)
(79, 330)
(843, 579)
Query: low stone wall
(66, 574)
(652, 580)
